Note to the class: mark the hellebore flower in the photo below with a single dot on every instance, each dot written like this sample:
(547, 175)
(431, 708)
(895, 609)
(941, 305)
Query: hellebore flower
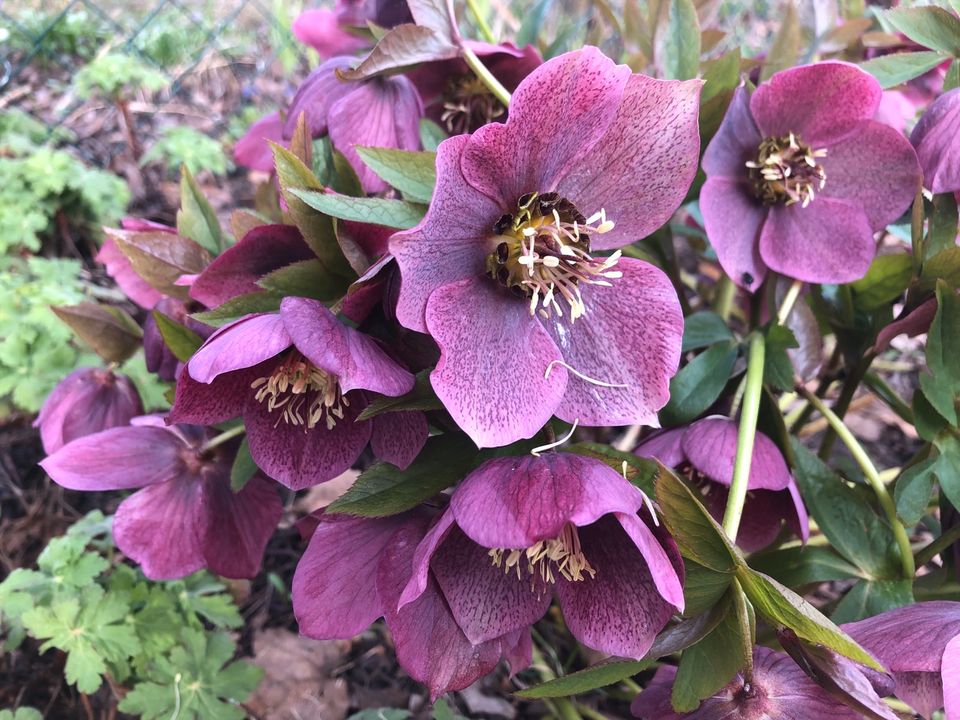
(799, 177)
(299, 379)
(522, 530)
(379, 112)
(186, 516)
(920, 645)
(705, 453)
(935, 138)
(353, 572)
(778, 689)
(85, 402)
(327, 31)
(502, 271)
(252, 151)
(157, 355)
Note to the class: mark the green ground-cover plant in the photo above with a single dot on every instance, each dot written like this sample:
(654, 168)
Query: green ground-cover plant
(185, 146)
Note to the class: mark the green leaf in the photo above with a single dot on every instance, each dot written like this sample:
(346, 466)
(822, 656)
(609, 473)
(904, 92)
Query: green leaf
(431, 134)
(778, 368)
(642, 472)
(721, 77)
(952, 79)
(377, 211)
(884, 282)
(942, 231)
(182, 341)
(898, 68)
(109, 330)
(696, 533)
(381, 714)
(21, 713)
(421, 397)
(782, 607)
(304, 278)
(785, 48)
(196, 218)
(932, 27)
(412, 173)
(872, 597)
(702, 329)
(161, 258)
(846, 517)
(243, 467)
(942, 385)
(703, 588)
(797, 566)
(678, 43)
(383, 489)
(912, 493)
(947, 467)
(699, 384)
(235, 308)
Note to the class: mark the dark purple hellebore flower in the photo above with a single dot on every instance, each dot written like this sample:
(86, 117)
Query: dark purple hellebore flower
(502, 271)
(354, 571)
(85, 402)
(935, 138)
(800, 177)
(252, 151)
(328, 31)
(522, 530)
(778, 689)
(705, 453)
(300, 379)
(379, 112)
(186, 516)
(920, 645)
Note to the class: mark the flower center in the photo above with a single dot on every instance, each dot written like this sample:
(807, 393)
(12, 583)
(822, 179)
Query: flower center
(302, 393)
(786, 171)
(544, 559)
(543, 251)
(468, 105)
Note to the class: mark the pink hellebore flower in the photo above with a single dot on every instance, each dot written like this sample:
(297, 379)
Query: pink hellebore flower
(186, 516)
(705, 452)
(920, 645)
(502, 271)
(935, 138)
(327, 31)
(354, 571)
(799, 177)
(778, 689)
(300, 379)
(85, 402)
(380, 112)
(520, 531)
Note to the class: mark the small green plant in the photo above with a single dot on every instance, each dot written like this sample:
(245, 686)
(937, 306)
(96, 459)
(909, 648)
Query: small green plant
(23, 713)
(76, 33)
(115, 74)
(185, 146)
(165, 642)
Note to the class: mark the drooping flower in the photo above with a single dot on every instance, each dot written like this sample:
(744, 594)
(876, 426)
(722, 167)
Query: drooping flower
(186, 517)
(85, 402)
(300, 378)
(935, 138)
(521, 531)
(704, 452)
(920, 645)
(252, 151)
(778, 689)
(354, 571)
(504, 273)
(329, 31)
(379, 112)
(800, 177)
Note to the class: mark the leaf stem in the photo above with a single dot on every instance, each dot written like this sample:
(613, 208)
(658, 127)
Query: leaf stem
(723, 301)
(481, 22)
(929, 552)
(223, 437)
(789, 300)
(745, 437)
(872, 476)
(486, 77)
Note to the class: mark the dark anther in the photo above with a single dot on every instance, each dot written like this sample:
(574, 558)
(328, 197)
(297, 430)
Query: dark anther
(503, 253)
(503, 224)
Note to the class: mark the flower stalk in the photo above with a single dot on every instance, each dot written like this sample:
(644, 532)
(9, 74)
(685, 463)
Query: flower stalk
(223, 437)
(481, 21)
(485, 76)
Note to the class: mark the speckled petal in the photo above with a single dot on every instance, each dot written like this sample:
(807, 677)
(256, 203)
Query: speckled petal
(222, 399)
(665, 446)
(239, 524)
(736, 141)
(398, 437)
(316, 95)
(711, 446)
(911, 638)
(733, 221)
(951, 678)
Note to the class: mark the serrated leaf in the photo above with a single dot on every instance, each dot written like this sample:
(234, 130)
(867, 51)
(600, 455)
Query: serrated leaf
(932, 27)
(195, 218)
(942, 384)
(377, 211)
(698, 384)
(243, 467)
(412, 173)
(913, 490)
(236, 308)
(383, 489)
(110, 331)
(898, 68)
(702, 329)
(942, 230)
(402, 47)
(641, 472)
(304, 278)
(421, 397)
(181, 340)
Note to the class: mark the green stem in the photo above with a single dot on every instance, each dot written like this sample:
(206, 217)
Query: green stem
(589, 712)
(486, 77)
(889, 396)
(481, 22)
(849, 389)
(726, 291)
(789, 300)
(745, 437)
(563, 708)
(928, 553)
(223, 437)
(873, 479)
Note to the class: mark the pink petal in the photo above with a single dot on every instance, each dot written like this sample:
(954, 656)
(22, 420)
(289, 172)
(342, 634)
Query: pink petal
(798, 520)
(664, 446)
(922, 691)
(951, 678)
(875, 167)
(913, 323)
(241, 344)
(117, 459)
(416, 584)
(253, 150)
(711, 446)
(821, 102)
(517, 650)
(398, 437)
(829, 241)
(317, 95)
(384, 112)
(129, 280)
(356, 359)
(239, 524)
(488, 340)
(321, 30)
(640, 171)
(763, 515)
(734, 219)
(631, 336)
(935, 138)
(557, 115)
(895, 110)
(452, 241)
(911, 638)
(737, 140)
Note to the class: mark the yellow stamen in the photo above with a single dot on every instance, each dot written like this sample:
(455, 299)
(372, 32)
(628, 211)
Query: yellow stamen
(547, 559)
(303, 393)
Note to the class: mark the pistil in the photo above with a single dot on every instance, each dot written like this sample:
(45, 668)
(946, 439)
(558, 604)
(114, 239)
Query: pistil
(302, 393)
(786, 171)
